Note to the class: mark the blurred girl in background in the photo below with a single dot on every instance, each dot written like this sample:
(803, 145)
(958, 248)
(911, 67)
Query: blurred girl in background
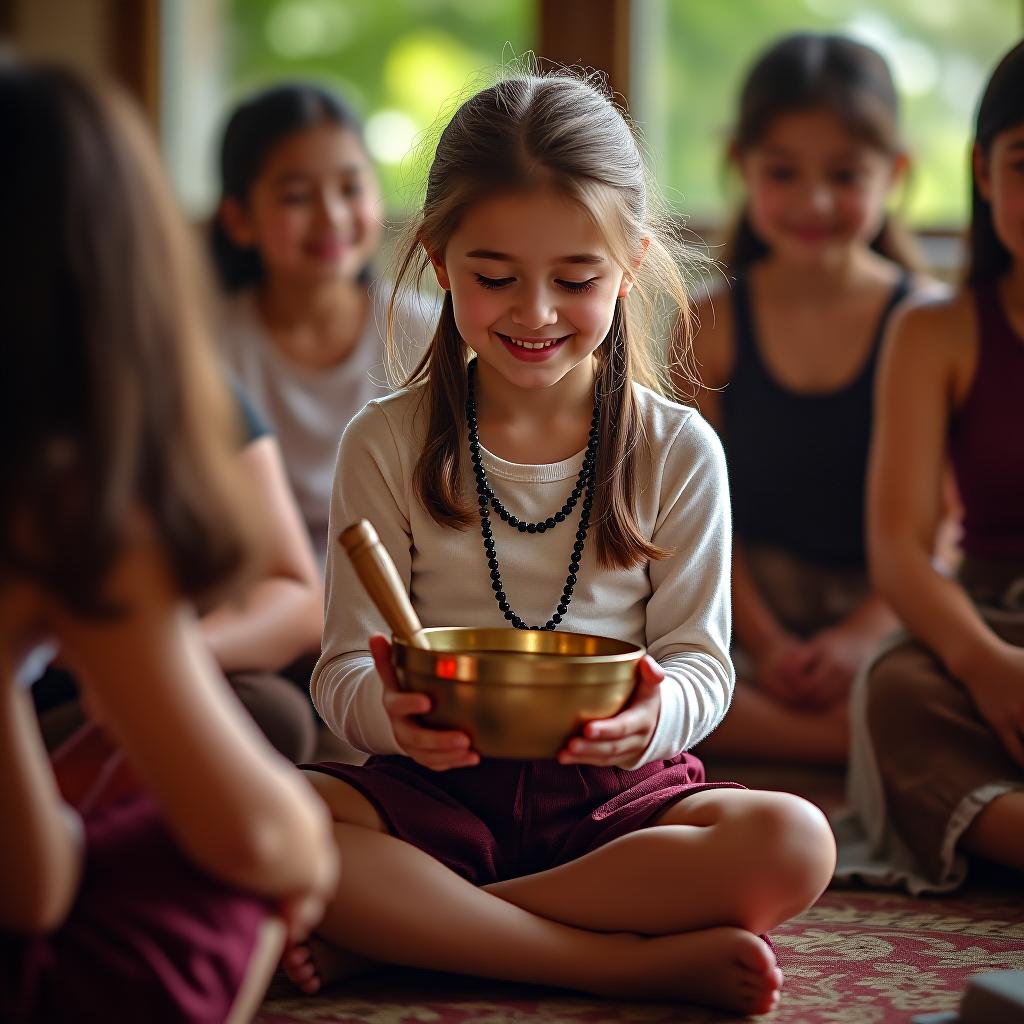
(937, 768)
(295, 237)
(161, 885)
(788, 357)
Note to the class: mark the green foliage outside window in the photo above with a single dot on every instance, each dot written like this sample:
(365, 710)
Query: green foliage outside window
(696, 53)
(402, 62)
(399, 62)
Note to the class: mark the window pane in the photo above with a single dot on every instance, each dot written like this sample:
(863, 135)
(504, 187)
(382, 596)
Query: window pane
(691, 56)
(399, 62)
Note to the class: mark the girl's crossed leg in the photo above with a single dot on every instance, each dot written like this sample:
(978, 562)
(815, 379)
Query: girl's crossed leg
(669, 911)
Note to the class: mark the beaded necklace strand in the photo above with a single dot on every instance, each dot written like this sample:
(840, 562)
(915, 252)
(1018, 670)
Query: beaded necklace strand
(488, 500)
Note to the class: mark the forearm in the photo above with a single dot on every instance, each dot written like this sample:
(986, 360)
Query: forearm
(268, 627)
(872, 619)
(41, 859)
(756, 625)
(348, 694)
(235, 806)
(934, 608)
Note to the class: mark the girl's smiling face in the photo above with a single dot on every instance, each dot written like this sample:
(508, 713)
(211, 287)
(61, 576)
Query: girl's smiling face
(533, 285)
(1000, 177)
(814, 188)
(312, 213)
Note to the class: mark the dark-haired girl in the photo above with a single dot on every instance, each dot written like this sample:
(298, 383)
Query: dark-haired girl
(788, 358)
(296, 233)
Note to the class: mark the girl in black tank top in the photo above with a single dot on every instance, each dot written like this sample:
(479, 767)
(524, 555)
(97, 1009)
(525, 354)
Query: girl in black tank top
(818, 148)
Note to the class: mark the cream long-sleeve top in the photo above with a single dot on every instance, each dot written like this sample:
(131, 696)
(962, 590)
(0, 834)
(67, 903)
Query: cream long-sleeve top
(678, 607)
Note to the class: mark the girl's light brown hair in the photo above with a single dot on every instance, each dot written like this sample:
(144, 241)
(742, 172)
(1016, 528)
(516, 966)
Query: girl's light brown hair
(810, 71)
(111, 405)
(562, 132)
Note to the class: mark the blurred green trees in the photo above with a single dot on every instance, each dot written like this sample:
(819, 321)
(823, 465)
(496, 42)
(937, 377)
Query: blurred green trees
(402, 62)
(940, 52)
(399, 62)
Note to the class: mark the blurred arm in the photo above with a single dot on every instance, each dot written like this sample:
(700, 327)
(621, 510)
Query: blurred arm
(279, 616)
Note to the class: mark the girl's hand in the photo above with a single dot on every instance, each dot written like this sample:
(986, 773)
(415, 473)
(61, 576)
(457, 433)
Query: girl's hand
(781, 670)
(997, 688)
(618, 740)
(837, 655)
(433, 748)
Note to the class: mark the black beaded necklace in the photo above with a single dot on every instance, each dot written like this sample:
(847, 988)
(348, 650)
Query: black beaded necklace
(488, 500)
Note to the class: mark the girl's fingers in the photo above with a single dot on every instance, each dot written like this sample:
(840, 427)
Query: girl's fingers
(650, 671)
(639, 717)
(404, 704)
(626, 723)
(439, 763)
(606, 752)
(415, 739)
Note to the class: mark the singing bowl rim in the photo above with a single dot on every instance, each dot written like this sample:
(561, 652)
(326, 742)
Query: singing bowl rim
(527, 668)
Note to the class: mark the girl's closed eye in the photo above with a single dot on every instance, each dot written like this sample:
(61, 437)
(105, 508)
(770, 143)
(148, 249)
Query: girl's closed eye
(493, 282)
(352, 187)
(847, 175)
(578, 286)
(780, 172)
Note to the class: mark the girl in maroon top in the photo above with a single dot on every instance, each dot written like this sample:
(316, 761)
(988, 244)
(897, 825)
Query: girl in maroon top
(945, 709)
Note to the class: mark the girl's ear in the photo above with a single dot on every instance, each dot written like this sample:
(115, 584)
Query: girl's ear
(627, 279)
(734, 160)
(982, 173)
(899, 169)
(440, 270)
(235, 220)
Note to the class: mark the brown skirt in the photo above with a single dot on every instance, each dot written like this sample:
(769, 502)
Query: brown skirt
(939, 760)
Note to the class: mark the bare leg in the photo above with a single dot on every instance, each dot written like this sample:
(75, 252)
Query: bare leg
(262, 962)
(760, 726)
(397, 904)
(722, 857)
(998, 831)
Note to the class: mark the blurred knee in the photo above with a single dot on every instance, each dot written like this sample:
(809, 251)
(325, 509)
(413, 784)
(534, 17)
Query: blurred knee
(282, 711)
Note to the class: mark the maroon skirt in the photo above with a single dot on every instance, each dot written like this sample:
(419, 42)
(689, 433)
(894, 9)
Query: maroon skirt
(150, 937)
(505, 818)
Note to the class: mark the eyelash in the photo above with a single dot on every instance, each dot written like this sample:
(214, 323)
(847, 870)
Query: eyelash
(573, 287)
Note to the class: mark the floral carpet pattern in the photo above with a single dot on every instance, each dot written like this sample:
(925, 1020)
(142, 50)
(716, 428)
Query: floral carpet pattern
(857, 957)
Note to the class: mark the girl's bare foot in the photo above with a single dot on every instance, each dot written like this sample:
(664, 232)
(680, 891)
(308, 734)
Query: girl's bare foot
(726, 968)
(315, 964)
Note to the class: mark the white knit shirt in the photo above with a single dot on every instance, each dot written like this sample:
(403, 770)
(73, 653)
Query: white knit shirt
(678, 607)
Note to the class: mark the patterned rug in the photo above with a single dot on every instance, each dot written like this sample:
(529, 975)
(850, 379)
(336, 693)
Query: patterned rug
(857, 957)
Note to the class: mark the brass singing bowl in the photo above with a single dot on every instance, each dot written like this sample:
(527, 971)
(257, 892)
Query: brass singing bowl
(517, 693)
